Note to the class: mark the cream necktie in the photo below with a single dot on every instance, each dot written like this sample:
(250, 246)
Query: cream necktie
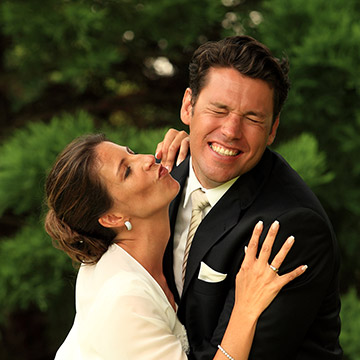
(199, 203)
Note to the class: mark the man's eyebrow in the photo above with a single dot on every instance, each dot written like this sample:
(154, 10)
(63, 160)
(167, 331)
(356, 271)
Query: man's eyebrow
(258, 114)
(226, 107)
(219, 105)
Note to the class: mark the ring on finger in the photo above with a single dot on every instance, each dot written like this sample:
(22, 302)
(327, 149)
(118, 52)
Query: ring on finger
(273, 268)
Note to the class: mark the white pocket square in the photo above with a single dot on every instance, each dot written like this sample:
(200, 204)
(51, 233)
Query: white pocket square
(210, 275)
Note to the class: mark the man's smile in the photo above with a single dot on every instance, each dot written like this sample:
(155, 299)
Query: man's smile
(223, 151)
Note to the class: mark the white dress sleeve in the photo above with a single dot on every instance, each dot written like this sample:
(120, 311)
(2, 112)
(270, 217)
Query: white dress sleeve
(128, 321)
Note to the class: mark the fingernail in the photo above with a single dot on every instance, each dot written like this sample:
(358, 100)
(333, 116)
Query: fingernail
(168, 168)
(259, 224)
(245, 249)
(156, 155)
(275, 223)
(178, 162)
(304, 267)
(291, 239)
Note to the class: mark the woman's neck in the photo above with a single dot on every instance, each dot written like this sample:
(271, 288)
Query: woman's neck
(147, 241)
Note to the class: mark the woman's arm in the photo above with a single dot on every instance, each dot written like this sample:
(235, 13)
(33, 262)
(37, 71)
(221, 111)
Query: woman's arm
(257, 284)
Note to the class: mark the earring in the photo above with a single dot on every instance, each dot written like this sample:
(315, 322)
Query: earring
(128, 225)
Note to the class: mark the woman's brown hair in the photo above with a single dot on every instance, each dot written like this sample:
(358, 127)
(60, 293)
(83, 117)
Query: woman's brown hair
(76, 198)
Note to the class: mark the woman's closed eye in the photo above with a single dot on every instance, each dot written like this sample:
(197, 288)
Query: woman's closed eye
(127, 172)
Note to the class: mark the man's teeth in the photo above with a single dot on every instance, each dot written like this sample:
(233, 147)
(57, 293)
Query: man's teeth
(226, 152)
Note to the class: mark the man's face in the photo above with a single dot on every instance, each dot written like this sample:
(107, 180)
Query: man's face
(230, 125)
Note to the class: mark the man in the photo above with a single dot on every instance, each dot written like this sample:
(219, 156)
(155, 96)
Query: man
(232, 106)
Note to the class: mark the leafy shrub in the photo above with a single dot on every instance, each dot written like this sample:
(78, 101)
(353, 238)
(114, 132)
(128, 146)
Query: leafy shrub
(32, 271)
(303, 154)
(28, 153)
(350, 317)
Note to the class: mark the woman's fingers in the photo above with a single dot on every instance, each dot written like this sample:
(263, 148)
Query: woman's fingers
(281, 255)
(257, 282)
(268, 242)
(174, 141)
(184, 149)
(286, 278)
(251, 249)
(162, 149)
(265, 251)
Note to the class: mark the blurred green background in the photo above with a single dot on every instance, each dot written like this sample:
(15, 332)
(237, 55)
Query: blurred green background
(69, 67)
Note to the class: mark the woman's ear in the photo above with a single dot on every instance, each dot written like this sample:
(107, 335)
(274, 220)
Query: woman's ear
(186, 107)
(111, 220)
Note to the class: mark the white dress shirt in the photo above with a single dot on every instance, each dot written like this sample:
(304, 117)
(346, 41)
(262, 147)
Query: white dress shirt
(122, 313)
(184, 216)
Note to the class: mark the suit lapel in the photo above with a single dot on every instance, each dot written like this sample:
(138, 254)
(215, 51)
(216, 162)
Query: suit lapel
(226, 214)
(180, 174)
(212, 228)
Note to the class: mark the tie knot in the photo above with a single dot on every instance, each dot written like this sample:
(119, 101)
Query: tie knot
(199, 200)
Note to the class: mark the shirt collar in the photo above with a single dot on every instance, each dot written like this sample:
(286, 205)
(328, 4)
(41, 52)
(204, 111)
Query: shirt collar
(213, 195)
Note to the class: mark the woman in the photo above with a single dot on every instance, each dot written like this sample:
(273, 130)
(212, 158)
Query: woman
(108, 210)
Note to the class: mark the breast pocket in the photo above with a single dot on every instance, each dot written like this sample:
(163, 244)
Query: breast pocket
(209, 281)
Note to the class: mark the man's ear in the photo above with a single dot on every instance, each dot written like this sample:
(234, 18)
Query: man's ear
(273, 130)
(186, 107)
(111, 221)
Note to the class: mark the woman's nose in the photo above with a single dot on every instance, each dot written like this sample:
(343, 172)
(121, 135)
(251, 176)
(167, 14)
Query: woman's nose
(148, 161)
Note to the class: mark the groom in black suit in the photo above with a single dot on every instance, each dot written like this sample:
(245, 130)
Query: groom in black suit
(232, 106)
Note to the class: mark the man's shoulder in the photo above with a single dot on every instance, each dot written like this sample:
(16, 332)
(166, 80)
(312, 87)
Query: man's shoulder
(285, 187)
(279, 172)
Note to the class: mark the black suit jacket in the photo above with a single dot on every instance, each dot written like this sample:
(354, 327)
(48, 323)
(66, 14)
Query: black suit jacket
(303, 321)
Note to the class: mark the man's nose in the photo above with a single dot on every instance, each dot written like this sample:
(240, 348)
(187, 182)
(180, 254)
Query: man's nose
(231, 127)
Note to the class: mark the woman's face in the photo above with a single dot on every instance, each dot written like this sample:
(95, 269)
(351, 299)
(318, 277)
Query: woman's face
(138, 186)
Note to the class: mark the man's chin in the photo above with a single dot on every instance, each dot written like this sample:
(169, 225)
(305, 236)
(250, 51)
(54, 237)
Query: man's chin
(215, 180)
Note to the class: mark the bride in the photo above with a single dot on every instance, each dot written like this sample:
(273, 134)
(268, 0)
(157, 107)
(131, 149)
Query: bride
(108, 210)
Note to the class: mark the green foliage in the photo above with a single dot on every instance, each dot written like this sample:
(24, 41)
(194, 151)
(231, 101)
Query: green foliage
(350, 317)
(85, 44)
(69, 47)
(27, 153)
(32, 271)
(349, 145)
(140, 141)
(325, 81)
(303, 154)
(322, 42)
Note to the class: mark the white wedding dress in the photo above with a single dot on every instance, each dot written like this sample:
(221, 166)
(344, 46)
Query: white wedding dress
(122, 313)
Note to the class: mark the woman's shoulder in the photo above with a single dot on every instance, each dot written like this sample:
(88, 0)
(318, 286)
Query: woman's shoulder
(118, 274)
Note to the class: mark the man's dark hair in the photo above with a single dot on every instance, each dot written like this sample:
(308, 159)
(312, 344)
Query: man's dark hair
(246, 55)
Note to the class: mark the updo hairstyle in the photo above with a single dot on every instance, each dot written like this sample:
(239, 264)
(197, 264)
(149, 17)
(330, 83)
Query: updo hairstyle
(76, 199)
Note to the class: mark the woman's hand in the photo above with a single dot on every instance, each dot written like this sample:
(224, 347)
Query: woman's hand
(167, 149)
(257, 282)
